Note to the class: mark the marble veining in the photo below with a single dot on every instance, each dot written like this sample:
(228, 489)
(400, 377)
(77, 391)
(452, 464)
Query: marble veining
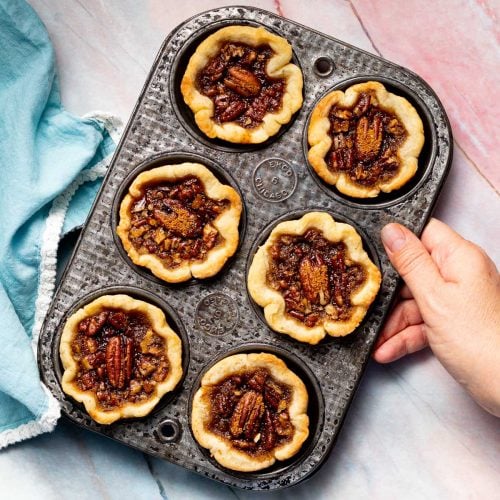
(411, 432)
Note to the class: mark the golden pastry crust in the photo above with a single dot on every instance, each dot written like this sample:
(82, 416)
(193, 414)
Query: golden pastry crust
(273, 302)
(160, 327)
(278, 66)
(226, 223)
(220, 448)
(320, 141)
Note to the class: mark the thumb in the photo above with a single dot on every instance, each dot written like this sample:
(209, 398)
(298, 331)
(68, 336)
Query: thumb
(412, 261)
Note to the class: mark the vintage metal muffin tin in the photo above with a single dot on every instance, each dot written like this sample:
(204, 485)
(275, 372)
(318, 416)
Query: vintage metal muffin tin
(216, 317)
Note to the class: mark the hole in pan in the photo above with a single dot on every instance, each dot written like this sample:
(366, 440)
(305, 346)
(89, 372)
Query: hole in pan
(315, 410)
(368, 246)
(171, 159)
(182, 110)
(425, 159)
(323, 66)
(168, 430)
(173, 321)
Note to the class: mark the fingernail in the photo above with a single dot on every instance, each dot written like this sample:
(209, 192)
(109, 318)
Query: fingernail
(393, 237)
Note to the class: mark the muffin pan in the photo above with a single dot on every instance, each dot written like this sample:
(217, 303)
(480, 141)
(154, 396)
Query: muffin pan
(216, 317)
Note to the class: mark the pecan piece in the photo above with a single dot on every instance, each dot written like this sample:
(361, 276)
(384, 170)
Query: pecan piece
(249, 57)
(232, 111)
(297, 315)
(340, 125)
(119, 361)
(362, 105)
(242, 81)
(341, 113)
(118, 319)
(258, 380)
(209, 235)
(273, 394)
(342, 159)
(369, 134)
(96, 323)
(213, 70)
(225, 398)
(247, 415)
(88, 381)
(313, 273)
(282, 425)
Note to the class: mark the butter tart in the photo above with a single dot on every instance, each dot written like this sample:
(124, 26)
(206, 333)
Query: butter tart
(313, 278)
(119, 357)
(180, 222)
(365, 140)
(241, 86)
(250, 411)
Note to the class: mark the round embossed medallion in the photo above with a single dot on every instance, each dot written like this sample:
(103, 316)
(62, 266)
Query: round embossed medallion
(217, 314)
(274, 180)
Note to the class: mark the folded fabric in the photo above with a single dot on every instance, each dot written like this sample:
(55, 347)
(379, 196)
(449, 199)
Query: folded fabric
(46, 154)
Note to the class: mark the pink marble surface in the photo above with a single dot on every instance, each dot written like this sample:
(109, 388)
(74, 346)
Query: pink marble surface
(412, 432)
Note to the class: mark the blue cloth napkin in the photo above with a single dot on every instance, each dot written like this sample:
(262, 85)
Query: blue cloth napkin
(46, 154)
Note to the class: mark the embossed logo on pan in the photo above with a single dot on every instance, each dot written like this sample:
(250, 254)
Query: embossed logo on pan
(217, 314)
(274, 180)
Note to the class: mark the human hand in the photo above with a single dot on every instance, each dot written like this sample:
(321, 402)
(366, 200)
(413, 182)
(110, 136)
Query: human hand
(451, 302)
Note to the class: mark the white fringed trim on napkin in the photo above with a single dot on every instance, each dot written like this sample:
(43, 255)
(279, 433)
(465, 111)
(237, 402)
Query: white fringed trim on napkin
(44, 423)
(46, 285)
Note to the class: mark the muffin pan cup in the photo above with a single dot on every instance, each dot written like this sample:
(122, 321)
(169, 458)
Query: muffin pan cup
(276, 182)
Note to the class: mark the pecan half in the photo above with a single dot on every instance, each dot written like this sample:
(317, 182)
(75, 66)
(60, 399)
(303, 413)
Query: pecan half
(369, 134)
(247, 415)
(242, 81)
(268, 433)
(119, 360)
(339, 278)
(313, 273)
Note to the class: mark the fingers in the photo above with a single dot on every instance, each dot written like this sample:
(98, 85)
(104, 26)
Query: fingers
(455, 257)
(405, 314)
(405, 293)
(443, 243)
(407, 341)
(437, 234)
(412, 261)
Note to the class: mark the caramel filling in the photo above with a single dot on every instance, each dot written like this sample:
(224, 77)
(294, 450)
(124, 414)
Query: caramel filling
(315, 277)
(174, 221)
(250, 409)
(365, 141)
(239, 86)
(119, 357)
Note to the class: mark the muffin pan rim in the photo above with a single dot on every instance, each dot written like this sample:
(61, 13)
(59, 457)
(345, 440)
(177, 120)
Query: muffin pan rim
(337, 394)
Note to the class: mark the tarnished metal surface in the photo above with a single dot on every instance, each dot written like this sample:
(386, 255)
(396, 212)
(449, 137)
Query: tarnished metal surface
(276, 183)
